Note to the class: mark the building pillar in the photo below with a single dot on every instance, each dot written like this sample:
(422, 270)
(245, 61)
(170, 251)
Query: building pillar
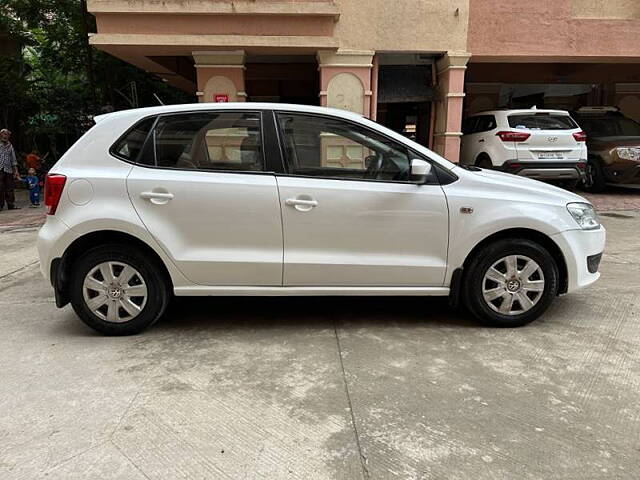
(345, 80)
(220, 76)
(448, 104)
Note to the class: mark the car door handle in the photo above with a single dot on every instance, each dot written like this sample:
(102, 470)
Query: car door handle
(157, 195)
(301, 204)
(481, 140)
(292, 202)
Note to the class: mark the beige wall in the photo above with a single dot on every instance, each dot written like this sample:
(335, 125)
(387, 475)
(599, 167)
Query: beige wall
(403, 25)
(606, 9)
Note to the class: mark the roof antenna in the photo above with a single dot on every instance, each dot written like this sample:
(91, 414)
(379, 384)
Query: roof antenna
(535, 107)
(158, 99)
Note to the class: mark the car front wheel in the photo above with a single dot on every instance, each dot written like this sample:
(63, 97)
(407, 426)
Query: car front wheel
(511, 282)
(118, 290)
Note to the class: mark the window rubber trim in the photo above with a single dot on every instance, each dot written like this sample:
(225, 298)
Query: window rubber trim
(157, 118)
(285, 160)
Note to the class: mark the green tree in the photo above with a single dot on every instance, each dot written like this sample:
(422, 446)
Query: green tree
(57, 82)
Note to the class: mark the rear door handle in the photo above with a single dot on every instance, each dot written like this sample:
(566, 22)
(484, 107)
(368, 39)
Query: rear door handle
(157, 198)
(481, 140)
(301, 204)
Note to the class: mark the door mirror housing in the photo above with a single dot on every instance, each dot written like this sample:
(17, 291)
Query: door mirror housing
(420, 170)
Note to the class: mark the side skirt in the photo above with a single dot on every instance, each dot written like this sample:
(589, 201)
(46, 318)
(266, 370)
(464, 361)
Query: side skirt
(203, 291)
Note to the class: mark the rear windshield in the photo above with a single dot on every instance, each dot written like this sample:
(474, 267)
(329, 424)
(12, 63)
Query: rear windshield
(614, 125)
(542, 121)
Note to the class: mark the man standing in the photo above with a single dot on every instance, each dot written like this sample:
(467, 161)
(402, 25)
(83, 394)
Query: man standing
(8, 170)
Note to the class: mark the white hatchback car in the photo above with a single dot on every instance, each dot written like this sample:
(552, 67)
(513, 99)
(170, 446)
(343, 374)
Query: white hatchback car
(540, 144)
(271, 199)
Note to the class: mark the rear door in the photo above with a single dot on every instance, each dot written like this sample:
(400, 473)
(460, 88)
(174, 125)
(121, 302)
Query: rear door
(201, 189)
(551, 137)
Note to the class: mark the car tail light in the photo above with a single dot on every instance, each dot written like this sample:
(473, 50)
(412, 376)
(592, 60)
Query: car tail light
(582, 165)
(513, 136)
(53, 187)
(580, 136)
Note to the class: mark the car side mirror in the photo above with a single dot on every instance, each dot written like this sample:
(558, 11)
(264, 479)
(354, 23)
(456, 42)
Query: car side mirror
(420, 170)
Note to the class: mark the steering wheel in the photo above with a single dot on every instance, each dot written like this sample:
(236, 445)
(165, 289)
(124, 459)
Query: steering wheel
(374, 165)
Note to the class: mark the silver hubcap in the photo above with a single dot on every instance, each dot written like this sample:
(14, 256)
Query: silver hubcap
(114, 292)
(513, 285)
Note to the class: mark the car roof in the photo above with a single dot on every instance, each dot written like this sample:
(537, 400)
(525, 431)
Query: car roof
(520, 111)
(195, 107)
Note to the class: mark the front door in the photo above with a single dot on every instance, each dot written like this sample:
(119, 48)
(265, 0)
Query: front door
(206, 199)
(351, 215)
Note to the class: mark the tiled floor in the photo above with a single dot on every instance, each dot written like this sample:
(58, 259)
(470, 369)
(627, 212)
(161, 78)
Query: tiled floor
(615, 198)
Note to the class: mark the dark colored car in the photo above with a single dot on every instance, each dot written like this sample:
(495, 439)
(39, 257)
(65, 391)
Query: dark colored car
(613, 143)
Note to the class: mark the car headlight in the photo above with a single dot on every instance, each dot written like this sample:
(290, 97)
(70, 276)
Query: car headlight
(585, 215)
(626, 153)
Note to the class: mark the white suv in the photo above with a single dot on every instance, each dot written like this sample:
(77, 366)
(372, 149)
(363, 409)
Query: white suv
(540, 144)
(269, 199)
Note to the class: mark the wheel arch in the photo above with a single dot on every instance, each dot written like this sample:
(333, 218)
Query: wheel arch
(528, 234)
(63, 268)
(482, 156)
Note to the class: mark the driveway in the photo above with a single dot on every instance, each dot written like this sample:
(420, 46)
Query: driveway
(323, 388)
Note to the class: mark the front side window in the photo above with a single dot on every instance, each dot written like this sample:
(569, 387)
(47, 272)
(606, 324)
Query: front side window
(206, 141)
(333, 148)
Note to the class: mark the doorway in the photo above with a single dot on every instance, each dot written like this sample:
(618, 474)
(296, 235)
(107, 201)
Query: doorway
(283, 79)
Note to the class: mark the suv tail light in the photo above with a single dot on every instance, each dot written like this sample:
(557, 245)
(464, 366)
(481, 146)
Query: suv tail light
(580, 136)
(513, 136)
(53, 186)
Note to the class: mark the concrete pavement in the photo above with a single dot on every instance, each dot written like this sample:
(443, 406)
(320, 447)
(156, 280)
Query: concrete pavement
(323, 388)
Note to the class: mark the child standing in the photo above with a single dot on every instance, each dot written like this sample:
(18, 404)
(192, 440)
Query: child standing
(33, 182)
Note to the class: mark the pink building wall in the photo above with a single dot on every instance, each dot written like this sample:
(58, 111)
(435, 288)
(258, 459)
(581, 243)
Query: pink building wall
(547, 29)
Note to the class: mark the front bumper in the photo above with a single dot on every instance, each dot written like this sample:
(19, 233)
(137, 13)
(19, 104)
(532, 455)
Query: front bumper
(545, 170)
(579, 248)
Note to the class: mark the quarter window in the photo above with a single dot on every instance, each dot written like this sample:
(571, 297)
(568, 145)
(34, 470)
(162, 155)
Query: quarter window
(206, 141)
(332, 148)
(130, 146)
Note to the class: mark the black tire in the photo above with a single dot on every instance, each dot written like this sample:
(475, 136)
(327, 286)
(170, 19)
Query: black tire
(152, 275)
(594, 181)
(483, 161)
(485, 258)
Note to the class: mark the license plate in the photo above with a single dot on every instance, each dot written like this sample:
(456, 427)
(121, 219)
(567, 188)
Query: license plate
(550, 155)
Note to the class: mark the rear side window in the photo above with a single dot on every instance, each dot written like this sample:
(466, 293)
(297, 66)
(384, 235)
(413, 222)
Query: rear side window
(468, 126)
(485, 123)
(130, 145)
(478, 124)
(207, 141)
(542, 121)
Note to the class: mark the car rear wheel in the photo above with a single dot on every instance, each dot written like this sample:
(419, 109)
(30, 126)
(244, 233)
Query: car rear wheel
(594, 181)
(483, 161)
(117, 290)
(510, 283)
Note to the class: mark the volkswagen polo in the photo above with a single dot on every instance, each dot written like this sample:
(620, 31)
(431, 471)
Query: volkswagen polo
(273, 199)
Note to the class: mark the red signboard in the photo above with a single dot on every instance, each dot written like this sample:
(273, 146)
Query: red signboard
(221, 97)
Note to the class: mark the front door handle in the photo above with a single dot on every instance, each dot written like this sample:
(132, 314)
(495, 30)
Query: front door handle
(159, 198)
(301, 204)
(481, 140)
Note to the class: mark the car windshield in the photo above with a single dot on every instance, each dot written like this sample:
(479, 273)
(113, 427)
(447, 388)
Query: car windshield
(610, 126)
(542, 121)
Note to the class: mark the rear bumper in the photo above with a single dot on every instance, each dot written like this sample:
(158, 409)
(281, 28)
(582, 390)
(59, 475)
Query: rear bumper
(582, 250)
(545, 170)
